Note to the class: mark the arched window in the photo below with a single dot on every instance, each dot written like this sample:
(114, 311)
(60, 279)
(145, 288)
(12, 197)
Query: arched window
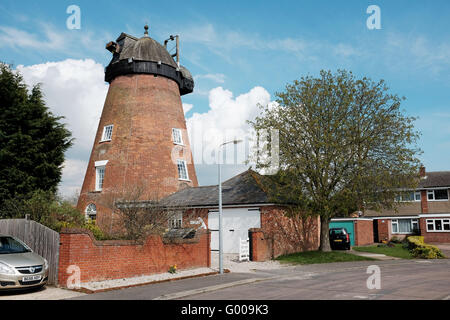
(91, 211)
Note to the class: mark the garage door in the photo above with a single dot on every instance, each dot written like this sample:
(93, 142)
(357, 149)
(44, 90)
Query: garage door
(347, 225)
(236, 223)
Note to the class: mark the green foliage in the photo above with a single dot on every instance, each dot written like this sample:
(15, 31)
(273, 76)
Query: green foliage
(32, 142)
(96, 231)
(420, 249)
(344, 145)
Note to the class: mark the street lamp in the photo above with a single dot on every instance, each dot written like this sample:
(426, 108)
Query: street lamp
(220, 205)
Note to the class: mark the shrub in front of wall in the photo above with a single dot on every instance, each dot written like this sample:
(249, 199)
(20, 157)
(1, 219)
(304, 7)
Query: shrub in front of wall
(419, 249)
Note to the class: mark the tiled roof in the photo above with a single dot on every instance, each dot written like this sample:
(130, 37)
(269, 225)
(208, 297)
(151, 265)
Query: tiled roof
(239, 190)
(435, 179)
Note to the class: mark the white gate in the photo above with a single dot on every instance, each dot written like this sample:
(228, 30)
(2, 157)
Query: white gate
(244, 249)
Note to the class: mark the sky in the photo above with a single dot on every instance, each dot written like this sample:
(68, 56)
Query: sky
(240, 53)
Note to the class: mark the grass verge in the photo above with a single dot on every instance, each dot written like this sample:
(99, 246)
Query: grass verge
(396, 251)
(311, 257)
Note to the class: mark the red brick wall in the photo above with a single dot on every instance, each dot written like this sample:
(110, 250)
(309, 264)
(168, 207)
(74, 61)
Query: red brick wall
(383, 229)
(363, 232)
(438, 237)
(143, 109)
(101, 260)
(280, 234)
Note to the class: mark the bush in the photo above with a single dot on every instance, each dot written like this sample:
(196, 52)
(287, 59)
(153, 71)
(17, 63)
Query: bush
(96, 231)
(419, 249)
(395, 239)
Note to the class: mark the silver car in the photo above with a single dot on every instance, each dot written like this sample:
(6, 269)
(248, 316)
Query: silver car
(20, 267)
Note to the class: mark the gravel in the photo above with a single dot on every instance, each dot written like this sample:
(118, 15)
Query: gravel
(230, 262)
(116, 283)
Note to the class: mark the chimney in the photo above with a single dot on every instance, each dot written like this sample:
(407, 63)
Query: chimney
(422, 171)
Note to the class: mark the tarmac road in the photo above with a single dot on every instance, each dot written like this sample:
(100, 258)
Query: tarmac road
(399, 279)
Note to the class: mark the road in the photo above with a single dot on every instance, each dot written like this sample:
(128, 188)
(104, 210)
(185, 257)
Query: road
(400, 279)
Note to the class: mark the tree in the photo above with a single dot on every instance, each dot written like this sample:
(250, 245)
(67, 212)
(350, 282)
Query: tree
(32, 141)
(344, 146)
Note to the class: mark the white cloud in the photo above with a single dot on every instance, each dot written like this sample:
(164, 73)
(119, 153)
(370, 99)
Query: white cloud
(187, 107)
(216, 77)
(76, 90)
(225, 120)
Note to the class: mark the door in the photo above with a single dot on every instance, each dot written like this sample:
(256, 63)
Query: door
(348, 225)
(236, 223)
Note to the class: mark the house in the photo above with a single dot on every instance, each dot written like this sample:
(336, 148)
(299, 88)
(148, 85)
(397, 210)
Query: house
(425, 210)
(247, 213)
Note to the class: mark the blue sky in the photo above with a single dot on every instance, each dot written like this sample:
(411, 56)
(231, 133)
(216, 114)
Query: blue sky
(240, 45)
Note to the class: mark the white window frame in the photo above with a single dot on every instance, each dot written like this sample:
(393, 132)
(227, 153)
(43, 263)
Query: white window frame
(416, 193)
(99, 167)
(431, 192)
(177, 133)
(88, 215)
(183, 163)
(176, 221)
(414, 222)
(443, 221)
(105, 130)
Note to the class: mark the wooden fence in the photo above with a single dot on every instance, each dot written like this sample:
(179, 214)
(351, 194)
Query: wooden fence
(39, 238)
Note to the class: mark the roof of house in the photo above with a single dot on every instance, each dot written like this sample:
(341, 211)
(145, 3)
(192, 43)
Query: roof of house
(239, 190)
(435, 179)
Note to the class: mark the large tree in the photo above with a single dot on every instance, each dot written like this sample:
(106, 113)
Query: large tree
(344, 145)
(32, 141)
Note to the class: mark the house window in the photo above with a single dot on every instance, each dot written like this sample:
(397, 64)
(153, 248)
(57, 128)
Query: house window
(176, 220)
(182, 170)
(177, 136)
(107, 133)
(404, 225)
(91, 211)
(408, 197)
(438, 195)
(438, 225)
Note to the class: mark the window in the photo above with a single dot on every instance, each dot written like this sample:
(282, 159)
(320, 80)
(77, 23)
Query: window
(404, 225)
(176, 220)
(91, 211)
(99, 176)
(182, 170)
(437, 195)
(438, 225)
(177, 136)
(408, 196)
(107, 133)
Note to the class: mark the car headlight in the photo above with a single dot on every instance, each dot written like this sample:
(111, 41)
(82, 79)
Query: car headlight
(5, 269)
(45, 264)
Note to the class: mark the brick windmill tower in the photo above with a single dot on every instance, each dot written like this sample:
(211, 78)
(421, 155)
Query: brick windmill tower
(141, 139)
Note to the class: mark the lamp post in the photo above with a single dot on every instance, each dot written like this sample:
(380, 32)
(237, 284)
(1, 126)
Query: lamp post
(220, 205)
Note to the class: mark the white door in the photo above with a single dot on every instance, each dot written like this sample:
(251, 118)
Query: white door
(236, 223)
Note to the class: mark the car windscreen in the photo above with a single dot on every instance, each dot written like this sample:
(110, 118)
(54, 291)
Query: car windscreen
(10, 245)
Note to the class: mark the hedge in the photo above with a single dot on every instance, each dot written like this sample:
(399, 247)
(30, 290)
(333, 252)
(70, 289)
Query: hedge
(419, 249)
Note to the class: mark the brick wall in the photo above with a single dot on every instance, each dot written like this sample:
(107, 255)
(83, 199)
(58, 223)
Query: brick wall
(438, 237)
(280, 234)
(363, 232)
(115, 259)
(384, 229)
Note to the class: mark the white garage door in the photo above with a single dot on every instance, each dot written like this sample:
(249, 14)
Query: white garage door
(236, 223)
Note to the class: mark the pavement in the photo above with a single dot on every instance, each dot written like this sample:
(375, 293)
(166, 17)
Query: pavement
(46, 293)
(377, 256)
